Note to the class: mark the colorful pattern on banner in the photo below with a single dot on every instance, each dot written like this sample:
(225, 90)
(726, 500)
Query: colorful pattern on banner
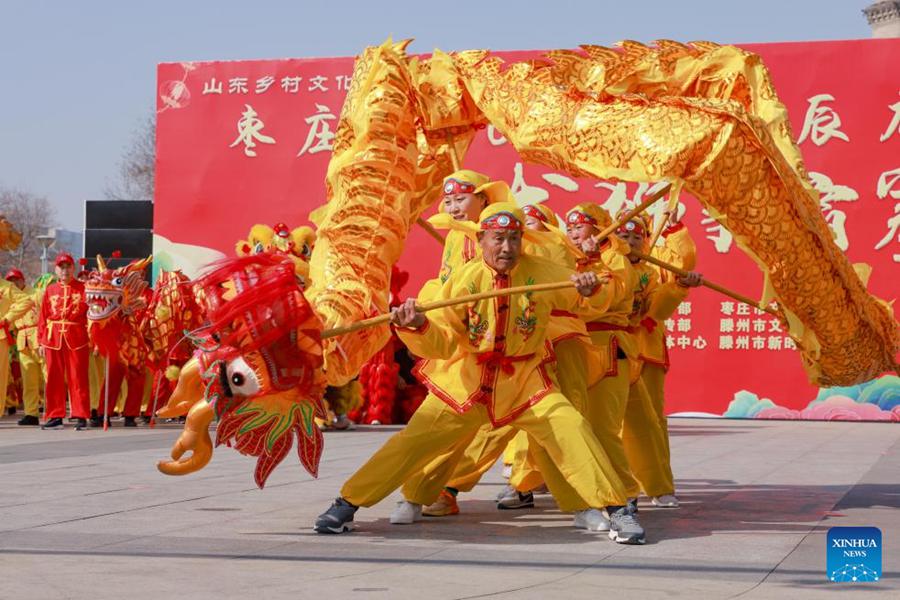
(249, 142)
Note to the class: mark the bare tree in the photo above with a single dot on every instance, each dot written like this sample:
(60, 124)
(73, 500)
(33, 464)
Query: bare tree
(31, 215)
(137, 168)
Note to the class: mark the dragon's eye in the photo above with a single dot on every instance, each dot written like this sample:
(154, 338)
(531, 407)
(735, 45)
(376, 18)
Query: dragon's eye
(241, 379)
(306, 251)
(117, 281)
(259, 248)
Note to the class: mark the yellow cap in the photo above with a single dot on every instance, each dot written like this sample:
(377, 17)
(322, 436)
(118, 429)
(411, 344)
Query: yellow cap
(589, 212)
(494, 191)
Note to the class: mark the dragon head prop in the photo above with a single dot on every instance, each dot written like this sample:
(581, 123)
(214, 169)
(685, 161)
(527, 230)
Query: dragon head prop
(10, 238)
(258, 370)
(112, 292)
(295, 244)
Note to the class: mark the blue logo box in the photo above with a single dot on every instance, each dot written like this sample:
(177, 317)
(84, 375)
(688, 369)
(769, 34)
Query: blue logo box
(854, 554)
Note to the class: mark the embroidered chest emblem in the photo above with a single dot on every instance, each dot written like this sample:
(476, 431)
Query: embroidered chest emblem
(526, 321)
(637, 306)
(477, 326)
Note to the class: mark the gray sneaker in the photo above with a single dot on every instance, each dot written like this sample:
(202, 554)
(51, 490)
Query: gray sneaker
(337, 518)
(506, 491)
(624, 527)
(516, 500)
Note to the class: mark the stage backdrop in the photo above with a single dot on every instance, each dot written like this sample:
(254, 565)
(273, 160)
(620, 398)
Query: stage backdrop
(248, 142)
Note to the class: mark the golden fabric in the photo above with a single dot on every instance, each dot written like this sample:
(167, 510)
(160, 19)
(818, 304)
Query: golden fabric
(703, 114)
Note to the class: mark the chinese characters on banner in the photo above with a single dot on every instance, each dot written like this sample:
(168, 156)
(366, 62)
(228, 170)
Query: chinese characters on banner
(249, 142)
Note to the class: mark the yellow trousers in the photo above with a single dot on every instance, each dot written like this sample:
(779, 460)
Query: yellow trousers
(4, 374)
(645, 440)
(605, 412)
(654, 378)
(30, 366)
(462, 466)
(526, 475)
(552, 423)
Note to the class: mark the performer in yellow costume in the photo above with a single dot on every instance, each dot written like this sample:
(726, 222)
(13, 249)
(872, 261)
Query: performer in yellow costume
(465, 194)
(568, 337)
(495, 366)
(645, 434)
(25, 328)
(14, 304)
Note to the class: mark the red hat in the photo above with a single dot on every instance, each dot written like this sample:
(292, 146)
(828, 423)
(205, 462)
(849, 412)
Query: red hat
(63, 258)
(14, 274)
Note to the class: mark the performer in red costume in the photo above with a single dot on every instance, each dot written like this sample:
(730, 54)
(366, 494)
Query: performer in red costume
(62, 333)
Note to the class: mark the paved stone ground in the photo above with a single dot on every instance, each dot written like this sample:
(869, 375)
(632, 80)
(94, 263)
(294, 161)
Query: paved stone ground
(86, 515)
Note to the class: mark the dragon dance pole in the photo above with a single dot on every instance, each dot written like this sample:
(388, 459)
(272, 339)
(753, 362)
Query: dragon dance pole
(158, 378)
(671, 206)
(381, 319)
(106, 394)
(709, 284)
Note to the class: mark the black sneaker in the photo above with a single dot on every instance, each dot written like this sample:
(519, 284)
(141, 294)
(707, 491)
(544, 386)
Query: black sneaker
(29, 420)
(130, 422)
(336, 518)
(80, 424)
(55, 423)
(624, 527)
(11, 410)
(96, 421)
(144, 420)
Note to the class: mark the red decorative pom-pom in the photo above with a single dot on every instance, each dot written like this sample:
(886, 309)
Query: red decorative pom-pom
(82, 261)
(117, 254)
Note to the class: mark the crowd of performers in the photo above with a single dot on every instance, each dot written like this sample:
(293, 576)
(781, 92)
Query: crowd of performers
(566, 385)
(101, 345)
(47, 360)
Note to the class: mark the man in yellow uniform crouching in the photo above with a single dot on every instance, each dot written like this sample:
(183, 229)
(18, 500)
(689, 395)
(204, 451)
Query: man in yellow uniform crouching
(501, 372)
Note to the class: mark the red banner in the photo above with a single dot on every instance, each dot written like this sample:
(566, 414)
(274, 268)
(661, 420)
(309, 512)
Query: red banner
(248, 142)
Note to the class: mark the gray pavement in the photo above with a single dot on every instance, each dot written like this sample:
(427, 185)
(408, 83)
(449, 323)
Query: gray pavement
(86, 515)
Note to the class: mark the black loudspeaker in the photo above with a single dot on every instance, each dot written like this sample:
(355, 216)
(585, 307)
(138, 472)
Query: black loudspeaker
(125, 226)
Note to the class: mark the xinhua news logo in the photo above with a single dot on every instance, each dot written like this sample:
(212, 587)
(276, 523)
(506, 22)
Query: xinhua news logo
(854, 554)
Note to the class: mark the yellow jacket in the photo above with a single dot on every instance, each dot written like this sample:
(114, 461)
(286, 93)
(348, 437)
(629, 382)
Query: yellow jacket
(13, 305)
(679, 250)
(459, 249)
(612, 331)
(496, 351)
(26, 325)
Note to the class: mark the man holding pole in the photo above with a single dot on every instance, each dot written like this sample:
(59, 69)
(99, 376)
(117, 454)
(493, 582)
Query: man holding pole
(501, 374)
(62, 333)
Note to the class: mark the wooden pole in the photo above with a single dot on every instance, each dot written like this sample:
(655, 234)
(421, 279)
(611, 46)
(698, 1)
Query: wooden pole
(634, 211)
(382, 319)
(672, 205)
(430, 230)
(106, 395)
(713, 286)
(158, 380)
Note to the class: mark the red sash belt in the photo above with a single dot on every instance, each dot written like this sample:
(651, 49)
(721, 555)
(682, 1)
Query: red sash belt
(495, 359)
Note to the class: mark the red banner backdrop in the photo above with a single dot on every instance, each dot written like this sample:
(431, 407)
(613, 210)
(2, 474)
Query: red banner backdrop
(248, 142)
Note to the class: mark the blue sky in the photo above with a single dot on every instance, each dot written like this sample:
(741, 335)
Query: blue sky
(78, 76)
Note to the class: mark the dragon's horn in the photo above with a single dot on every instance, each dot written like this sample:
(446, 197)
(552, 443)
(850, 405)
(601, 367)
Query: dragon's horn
(101, 264)
(142, 264)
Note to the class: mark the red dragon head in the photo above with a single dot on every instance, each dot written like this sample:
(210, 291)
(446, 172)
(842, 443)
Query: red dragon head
(114, 292)
(258, 370)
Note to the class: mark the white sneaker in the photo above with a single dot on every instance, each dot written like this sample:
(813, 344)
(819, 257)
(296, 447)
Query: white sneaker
(591, 519)
(665, 501)
(406, 512)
